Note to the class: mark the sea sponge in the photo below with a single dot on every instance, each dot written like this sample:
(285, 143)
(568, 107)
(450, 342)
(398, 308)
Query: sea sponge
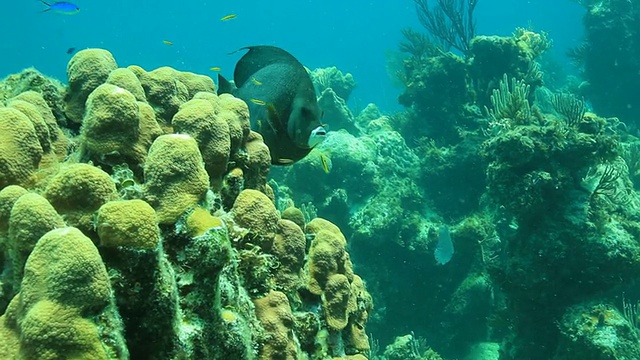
(130, 223)
(78, 191)
(254, 211)
(175, 177)
(86, 70)
(335, 301)
(289, 247)
(274, 313)
(65, 289)
(127, 79)
(32, 216)
(20, 150)
(197, 118)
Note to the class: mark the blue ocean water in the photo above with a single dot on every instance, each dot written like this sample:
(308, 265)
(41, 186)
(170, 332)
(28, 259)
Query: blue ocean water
(352, 35)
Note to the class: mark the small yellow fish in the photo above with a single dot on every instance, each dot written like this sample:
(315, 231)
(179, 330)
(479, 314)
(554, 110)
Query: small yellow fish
(325, 164)
(215, 68)
(228, 17)
(255, 81)
(167, 42)
(285, 161)
(258, 102)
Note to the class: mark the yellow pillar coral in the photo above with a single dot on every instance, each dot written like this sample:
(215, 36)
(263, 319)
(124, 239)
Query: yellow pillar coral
(40, 127)
(129, 223)
(289, 247)
(236, 113)
(335, 301)
(232, 185)
(175, 178)
(127, 79)
(164, 92)
(87, 69)
(254, 211)
(36, 99)
(199, 221)
(294, 214)
(316, 225)
(197, 118)
(258, 162)
(78, 191)
(65, 287)
(20, 150)
(8, 196)
(111, 119)
(32, 216)
(274, 313)
(196, 83)
(360, 305)
(327, 257)
(116, 128)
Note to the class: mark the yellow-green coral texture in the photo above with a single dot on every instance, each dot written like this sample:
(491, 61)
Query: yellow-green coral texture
(130, 223)
(64, 282)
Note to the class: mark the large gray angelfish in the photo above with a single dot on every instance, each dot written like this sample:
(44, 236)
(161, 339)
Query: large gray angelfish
(282, 101)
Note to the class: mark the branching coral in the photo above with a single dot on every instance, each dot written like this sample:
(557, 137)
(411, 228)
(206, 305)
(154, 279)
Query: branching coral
(510, 102)
(570, 107)
(451, 22)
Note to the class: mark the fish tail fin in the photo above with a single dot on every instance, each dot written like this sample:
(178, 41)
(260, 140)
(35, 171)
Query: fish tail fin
(47, 5)
(225, 86)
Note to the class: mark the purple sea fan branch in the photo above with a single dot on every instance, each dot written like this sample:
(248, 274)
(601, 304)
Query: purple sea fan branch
(449, 21)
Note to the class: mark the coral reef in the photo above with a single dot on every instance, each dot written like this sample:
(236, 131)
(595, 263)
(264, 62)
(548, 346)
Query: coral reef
(136, 222)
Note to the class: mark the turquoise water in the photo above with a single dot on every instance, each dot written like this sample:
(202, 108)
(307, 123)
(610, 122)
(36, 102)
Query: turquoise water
(352, 35)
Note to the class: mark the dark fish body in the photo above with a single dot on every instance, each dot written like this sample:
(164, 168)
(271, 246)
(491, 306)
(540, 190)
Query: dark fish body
(281, 99)
(71, 50)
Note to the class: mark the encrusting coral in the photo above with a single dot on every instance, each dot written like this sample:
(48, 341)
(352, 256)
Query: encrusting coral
(136, 222)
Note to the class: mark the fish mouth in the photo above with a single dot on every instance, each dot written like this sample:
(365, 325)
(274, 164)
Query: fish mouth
(317, 136)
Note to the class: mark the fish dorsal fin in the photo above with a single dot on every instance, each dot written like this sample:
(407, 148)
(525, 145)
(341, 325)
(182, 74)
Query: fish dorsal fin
(224, 86)
(258, 57)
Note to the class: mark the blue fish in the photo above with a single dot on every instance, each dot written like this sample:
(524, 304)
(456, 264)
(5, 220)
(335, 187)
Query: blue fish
(61, 7)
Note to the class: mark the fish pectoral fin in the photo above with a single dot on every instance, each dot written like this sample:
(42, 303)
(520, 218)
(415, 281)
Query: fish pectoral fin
(274, 119)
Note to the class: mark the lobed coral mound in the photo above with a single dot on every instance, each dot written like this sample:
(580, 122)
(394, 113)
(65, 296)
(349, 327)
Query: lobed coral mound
(136, 222)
